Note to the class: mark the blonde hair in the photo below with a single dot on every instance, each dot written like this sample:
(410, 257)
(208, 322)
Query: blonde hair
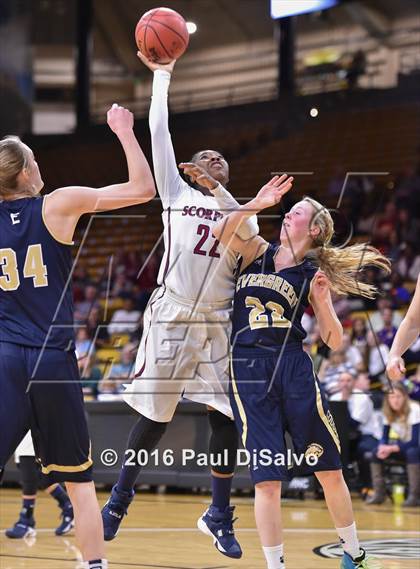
(394, 416)
(342, 265)
(14, 157)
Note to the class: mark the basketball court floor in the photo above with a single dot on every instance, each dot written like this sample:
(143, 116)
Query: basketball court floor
(160, 533)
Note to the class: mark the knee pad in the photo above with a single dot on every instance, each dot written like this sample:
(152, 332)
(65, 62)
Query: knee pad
(146, 434)
(224, 437)
(29, 472)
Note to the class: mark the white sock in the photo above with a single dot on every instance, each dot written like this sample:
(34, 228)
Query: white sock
(274, 557)
(349, 540)
(96, 564)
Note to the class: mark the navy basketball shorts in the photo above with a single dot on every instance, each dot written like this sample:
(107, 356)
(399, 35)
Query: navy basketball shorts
(41, 391)
(272, 394)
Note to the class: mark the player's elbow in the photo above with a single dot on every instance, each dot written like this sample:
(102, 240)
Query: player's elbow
(335, 340)
(149, 191)
(246, 232)
(154, 129)
(158, 129)
(332, 334)
(335, 345)
(144, 190)
(412, 322)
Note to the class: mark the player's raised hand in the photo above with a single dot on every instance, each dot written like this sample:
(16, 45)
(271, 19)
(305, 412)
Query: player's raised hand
(395, 368)
(272, 192)
(198, 175)
(119, 119)
(154, 66)
(320, 287)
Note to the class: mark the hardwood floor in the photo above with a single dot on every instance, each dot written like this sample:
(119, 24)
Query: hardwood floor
(160, 533)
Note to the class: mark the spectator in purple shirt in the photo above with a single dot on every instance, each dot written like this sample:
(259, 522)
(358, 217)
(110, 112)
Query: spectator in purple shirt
(387, 333)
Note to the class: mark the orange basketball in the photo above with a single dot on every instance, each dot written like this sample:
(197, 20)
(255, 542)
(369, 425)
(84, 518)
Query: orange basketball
(162, 35)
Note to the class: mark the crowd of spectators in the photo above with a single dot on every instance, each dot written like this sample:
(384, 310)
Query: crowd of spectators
(384, 418)
(108, 320)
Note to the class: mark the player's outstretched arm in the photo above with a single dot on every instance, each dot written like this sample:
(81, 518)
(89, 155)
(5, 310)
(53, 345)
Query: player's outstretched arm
(246, 230)
(407, 333)
(330, 328)
(64, 207)
(226, 230)
(168, 180)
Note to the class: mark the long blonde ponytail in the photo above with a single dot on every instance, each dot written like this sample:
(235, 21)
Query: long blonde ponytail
(343, 265)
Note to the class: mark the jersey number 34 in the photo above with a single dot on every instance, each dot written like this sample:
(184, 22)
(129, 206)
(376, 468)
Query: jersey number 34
(33, 268)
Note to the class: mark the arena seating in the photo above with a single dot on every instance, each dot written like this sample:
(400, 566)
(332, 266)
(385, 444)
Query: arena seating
(256, 143)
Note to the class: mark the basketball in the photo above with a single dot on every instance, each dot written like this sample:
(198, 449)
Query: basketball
(162, 35)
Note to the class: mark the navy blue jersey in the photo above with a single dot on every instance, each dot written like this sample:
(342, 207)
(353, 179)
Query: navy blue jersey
(268, 305)
(36, 308)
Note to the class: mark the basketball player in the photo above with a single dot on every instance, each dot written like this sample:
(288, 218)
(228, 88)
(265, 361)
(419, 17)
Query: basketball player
(40, 384)
(184, 347)
(407, 334)
(31, 481)
(273, 385)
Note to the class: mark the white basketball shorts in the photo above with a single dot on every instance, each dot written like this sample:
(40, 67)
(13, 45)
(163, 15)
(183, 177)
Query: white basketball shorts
(183, 352)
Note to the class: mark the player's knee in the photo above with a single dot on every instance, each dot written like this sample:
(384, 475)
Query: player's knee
(270, 489)
(44, 483)
(79, 492)
(221, 423)
(223, 442)
(330, 477)
(152, 427)
(146, 434)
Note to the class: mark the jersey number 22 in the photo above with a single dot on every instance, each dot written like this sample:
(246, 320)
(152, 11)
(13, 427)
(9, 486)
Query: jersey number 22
(258, 317)
(204, 231)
